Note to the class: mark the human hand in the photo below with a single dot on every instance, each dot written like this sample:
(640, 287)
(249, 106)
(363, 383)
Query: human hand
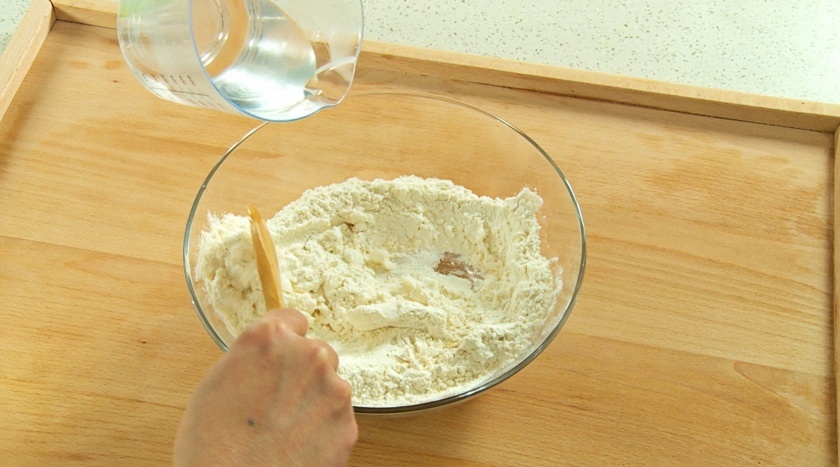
(273, 399)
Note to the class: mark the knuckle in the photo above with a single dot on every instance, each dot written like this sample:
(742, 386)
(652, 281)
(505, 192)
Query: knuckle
(263, 333)
(321, 352)
(322, 355)
(256, 334)
(299, 318)
(342, 391)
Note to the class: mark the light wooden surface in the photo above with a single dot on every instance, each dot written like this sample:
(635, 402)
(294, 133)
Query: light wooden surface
(101, 13)
(553, 80)
(22, 49)
(703, 335)
(836, 268)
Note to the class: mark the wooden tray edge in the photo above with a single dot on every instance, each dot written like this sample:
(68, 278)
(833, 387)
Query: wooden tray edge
(22, 49)
(718, 103)
(835, 269)
(102, 13)
(590, 85)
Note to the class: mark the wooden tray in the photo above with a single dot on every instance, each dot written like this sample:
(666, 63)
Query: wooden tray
(703, 336)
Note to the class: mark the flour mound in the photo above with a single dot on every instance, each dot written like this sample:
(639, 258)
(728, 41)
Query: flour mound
(361, 260)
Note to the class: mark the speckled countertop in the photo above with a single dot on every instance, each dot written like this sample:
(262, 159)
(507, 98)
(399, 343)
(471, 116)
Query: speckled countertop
(773, 47)
(11, 12)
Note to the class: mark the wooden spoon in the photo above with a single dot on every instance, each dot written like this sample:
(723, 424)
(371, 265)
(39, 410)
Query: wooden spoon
(267, 266)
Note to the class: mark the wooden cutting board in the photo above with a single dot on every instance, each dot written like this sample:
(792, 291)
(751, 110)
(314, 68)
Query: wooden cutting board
(703, 336)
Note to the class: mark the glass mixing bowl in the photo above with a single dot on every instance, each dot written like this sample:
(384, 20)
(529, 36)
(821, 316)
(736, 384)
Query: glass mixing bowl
(386, 135)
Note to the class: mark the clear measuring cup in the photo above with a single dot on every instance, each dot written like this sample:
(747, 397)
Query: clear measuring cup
(274, 60)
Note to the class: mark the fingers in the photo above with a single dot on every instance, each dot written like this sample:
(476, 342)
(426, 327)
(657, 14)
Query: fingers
(325, 354)
(271, 327)
(277, 325)
(291, 318)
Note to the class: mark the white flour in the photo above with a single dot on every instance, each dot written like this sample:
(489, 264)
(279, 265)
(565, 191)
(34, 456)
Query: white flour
(359, 259)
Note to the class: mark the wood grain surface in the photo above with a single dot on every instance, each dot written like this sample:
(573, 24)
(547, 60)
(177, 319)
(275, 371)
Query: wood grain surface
(836, 266)
(101, 13)
(703, 335)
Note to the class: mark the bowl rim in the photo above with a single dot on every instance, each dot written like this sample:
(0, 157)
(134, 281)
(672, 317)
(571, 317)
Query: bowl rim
(448, 400)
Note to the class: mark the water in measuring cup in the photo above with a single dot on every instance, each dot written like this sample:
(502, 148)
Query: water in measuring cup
(260, 65)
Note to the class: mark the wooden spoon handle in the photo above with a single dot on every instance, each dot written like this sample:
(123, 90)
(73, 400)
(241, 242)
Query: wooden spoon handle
(267, 266)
